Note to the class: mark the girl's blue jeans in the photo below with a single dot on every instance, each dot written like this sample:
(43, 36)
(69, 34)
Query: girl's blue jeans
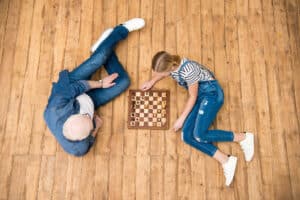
(195, 129)
(105, 55)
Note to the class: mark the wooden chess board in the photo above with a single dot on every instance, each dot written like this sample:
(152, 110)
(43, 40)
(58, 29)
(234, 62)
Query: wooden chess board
(149, 109)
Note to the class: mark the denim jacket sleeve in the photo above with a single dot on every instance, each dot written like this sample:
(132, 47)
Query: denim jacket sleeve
(70, 88)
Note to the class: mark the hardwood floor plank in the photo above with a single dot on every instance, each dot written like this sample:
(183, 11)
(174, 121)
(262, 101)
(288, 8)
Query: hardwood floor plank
(44, 76)
(288, 114)
(7, 61)
(23, 131)
(46, 180)
(143, 177)
(101, 177)
(32, 176)
(129, 177)
(115, 177)
(4, 7)
(6, 165)
(156, 178)
(60, 180)
(18, 177)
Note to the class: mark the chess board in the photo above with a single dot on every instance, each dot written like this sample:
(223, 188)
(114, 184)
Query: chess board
(149, 109)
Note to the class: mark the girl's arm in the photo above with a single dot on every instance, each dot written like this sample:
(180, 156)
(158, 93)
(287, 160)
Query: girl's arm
(155, 78)
(193, 93)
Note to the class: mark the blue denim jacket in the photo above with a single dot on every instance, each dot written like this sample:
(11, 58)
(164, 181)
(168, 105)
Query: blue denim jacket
(62, 104)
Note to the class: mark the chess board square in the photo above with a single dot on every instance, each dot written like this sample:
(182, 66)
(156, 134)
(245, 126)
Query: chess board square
(141, 123)
(149, 110)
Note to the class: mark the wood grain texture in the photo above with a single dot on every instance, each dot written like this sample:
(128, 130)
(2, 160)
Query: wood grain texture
(253, 47)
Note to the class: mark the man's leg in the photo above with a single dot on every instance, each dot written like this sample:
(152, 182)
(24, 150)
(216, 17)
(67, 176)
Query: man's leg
(100, 56)
(103, 95)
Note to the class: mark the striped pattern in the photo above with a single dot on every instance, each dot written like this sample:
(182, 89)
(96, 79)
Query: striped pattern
(191, 72)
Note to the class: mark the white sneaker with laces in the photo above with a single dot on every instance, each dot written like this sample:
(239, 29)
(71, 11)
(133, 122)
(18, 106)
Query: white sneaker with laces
(104, 35)
(134, 24)
(229, 169)
(248, 146)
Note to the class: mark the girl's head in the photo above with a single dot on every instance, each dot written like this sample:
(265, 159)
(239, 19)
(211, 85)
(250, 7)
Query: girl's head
(165, 62)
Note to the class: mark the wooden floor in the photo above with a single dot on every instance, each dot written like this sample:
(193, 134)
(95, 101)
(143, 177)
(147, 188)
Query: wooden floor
(252, 46)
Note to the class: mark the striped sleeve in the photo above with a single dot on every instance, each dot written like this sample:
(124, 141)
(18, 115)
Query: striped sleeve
(191, 73)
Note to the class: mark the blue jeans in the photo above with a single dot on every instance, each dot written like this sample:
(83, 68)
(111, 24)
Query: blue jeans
(105, 55)
(195, 129)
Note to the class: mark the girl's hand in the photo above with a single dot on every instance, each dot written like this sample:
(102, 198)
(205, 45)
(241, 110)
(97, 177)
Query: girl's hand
(107, 82)
(178, 124)
(147, 85)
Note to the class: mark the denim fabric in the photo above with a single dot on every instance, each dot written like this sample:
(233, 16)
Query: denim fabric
(195, 129)
(62, 102)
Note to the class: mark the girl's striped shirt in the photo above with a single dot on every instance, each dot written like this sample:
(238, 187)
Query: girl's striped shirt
(192, 72)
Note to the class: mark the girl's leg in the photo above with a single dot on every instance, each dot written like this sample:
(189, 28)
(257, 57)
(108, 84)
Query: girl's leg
(103, 95)
(100, 56)
(187, 133)
(208, 109)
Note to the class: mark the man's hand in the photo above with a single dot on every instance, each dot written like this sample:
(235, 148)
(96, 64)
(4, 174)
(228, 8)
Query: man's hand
(107, 82)
(98, 123)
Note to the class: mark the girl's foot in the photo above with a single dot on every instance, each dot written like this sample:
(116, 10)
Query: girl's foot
(248, 146)
(134, 24)
(104, 35)
(229, 169)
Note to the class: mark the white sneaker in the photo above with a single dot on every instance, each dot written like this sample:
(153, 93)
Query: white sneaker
(134, 24)
(104, 35)
(229, 169)
(248, 146)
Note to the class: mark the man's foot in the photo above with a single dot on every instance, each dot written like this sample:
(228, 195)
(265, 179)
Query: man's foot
(134, 24)
(248, 146)
(104, 35)
(229, 169)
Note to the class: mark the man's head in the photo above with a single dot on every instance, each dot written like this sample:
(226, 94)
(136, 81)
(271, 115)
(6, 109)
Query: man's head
(77, 127)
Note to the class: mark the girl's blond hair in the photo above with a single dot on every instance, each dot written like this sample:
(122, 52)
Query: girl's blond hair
(163, 61)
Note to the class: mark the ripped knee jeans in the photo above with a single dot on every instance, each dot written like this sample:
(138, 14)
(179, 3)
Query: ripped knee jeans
(195, 129)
